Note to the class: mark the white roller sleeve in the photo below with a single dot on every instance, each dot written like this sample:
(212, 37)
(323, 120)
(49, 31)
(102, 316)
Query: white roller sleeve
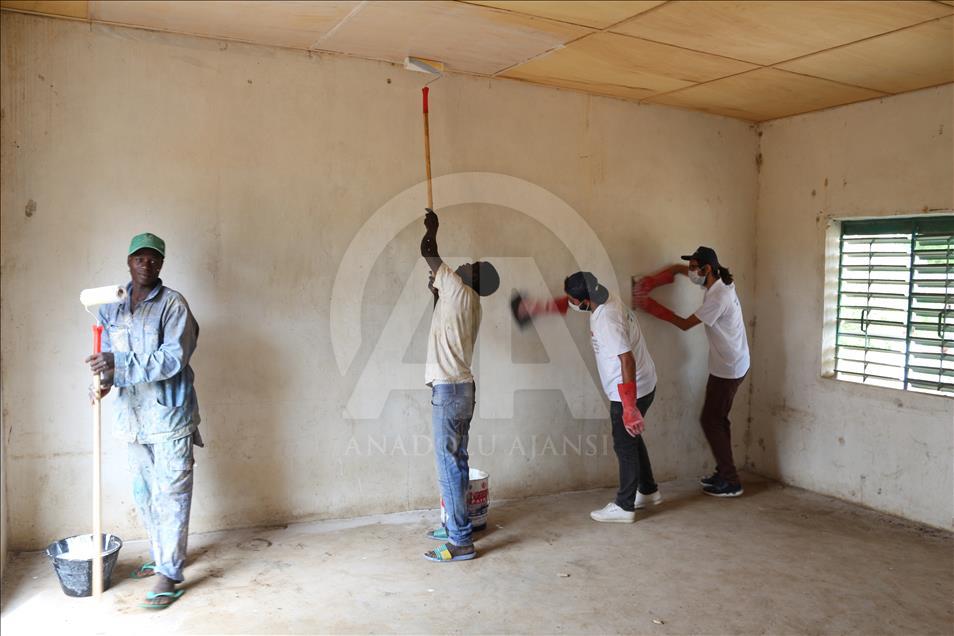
(102, 295)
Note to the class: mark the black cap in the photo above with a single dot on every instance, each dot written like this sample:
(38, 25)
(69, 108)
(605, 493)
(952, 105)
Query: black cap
(581, 285)
(704, 256)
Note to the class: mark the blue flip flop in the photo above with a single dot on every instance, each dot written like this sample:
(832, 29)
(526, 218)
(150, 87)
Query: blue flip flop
(443, 555)
(151, 596)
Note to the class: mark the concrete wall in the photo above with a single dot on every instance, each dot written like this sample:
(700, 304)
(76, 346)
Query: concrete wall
(4, 524)
(887, 449)
(259, 166)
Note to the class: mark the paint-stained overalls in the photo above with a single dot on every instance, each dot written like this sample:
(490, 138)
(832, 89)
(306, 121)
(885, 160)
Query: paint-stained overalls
(157, 413)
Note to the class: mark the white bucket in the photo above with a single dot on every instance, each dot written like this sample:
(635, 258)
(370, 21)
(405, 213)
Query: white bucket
(478, 499)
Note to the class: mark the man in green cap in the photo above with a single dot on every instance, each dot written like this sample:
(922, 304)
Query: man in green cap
(148, 339)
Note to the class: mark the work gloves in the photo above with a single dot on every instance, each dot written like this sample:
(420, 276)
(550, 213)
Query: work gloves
(640, 288)
(632, 419)
(524, 310)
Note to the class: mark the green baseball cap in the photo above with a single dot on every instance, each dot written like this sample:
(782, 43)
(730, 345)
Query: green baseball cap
(151, 241)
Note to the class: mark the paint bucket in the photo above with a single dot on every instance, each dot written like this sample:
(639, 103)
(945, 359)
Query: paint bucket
(73, 562)
(478, 500)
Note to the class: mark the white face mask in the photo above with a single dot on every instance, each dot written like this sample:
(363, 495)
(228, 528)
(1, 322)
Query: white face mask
(576, 307)
(697, 277)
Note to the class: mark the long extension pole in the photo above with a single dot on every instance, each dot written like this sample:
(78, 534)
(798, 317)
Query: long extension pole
(427, 152)
(97, 474)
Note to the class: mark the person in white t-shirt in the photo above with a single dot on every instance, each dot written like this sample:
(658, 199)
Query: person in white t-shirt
(721, 313)
(628, 376)
(450, 351)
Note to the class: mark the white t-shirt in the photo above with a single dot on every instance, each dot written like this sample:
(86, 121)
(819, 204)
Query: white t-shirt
(728, 346)
(454, 325)
(614, 331)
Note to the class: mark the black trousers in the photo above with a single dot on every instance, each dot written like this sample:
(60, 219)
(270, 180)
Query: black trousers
(720, 392)
(635, 471)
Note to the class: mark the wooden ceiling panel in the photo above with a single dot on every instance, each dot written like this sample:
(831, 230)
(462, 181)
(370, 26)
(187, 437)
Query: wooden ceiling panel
(622, 66)
(768, 32)
(465, 37)
(902, 61)
(596, 14)
(592, 85)
(764, 94)
(694, 54)
(279, 23)
(60, 8)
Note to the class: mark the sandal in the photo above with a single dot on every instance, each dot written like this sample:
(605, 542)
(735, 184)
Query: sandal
(144, 571)
(440, 534)
(151, 596)
(443, 555)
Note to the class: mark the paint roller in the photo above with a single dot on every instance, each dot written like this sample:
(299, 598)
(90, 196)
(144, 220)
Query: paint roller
(431, 67)
(92, 298)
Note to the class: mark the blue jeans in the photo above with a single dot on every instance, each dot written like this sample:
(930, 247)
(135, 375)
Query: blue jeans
(453, 408)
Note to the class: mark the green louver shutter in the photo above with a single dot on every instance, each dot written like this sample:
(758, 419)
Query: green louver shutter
(896, 304)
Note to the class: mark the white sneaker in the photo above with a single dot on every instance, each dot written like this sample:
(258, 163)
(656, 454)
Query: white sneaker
(643, 501)
(611, 513)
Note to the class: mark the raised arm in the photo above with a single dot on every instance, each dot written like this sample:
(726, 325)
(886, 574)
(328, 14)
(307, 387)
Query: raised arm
(429, 242)
(641, 299)
(662, 312)
(640, 287)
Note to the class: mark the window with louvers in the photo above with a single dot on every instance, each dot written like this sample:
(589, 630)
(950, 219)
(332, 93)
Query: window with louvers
(896, 304)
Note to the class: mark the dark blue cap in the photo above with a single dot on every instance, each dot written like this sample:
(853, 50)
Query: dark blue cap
(704, 256)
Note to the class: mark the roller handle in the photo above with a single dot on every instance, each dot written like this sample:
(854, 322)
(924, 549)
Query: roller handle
(97, 339)
(424, 92)
(97, 348)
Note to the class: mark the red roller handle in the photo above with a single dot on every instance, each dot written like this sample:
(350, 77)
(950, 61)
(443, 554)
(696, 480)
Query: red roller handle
(97, 339)
(424, 91)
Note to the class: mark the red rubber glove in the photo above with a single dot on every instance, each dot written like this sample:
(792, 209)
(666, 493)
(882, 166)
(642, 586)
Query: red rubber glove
(632, 419)
(525, 309)
(641, 287)
(653, 308)
(664, 277)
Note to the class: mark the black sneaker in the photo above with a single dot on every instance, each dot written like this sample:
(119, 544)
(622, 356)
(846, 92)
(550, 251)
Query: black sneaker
(723, 489)
(711, 480)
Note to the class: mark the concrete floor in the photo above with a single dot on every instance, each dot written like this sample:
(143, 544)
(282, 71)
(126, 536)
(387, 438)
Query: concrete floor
(778, 560)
